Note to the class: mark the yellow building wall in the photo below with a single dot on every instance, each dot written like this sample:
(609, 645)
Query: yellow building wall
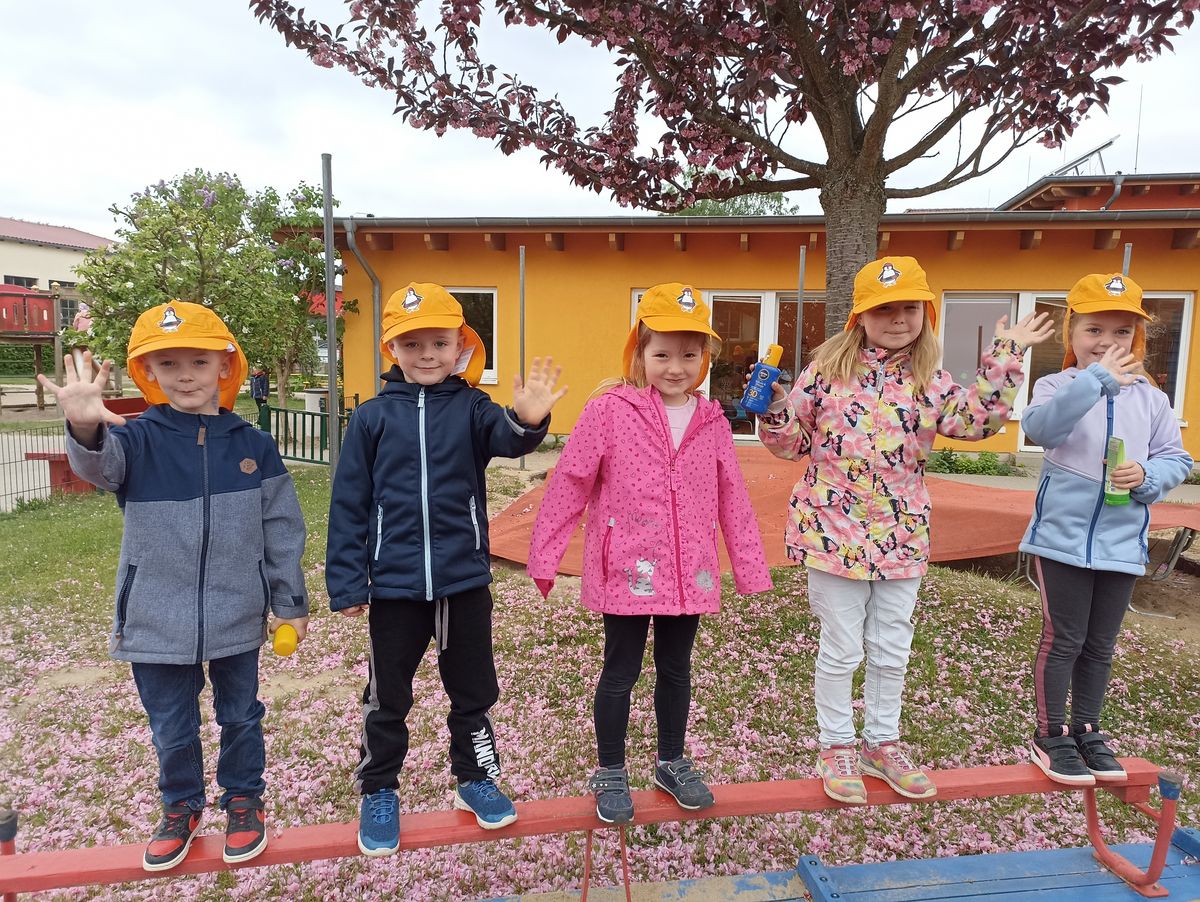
(578, 299)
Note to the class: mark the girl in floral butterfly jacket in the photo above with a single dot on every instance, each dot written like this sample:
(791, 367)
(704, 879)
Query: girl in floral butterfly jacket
(867, 410)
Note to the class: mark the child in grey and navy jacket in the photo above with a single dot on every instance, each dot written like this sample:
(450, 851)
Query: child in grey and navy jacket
(408, 542)
(212, 545)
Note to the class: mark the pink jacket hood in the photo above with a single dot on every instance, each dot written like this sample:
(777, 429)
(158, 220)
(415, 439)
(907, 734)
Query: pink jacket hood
(650, 542)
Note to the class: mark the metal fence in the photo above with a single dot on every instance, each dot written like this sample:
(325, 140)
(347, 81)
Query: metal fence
(33, 464)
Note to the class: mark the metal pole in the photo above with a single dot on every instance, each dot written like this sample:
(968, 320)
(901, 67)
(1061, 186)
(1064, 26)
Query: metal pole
(334, 403)
(1128, 255)
(522, 295)
(798, 366)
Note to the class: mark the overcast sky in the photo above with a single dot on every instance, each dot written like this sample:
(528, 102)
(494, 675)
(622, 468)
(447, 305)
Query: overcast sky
(102, 99)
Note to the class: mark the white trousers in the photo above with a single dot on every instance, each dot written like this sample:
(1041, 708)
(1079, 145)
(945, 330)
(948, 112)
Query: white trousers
(855, 613)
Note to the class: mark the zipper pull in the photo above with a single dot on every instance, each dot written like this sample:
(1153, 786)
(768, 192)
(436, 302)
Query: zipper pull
(200, 435)
(421, 398)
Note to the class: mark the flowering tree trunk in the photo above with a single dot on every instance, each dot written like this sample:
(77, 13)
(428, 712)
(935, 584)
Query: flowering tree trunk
(727, 80)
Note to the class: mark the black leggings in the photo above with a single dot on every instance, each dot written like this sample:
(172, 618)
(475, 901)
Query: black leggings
(624, 645)
(1081, 617)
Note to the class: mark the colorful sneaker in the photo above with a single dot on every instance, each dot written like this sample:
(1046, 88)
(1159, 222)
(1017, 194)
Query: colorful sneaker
(891, 764)
(171, 840)
(246, 830)
(614, 804)
(838, 767)
(679, 778)
(1059, 759)
(379, 823)
(491, 807)
(1098, 757)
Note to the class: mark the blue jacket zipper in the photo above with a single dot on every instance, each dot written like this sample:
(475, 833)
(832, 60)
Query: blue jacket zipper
(1108, 429)
(201, 437)
(425, 496)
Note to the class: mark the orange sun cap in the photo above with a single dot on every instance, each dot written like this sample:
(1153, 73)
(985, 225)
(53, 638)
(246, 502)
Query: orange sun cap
(424, 305)
(182, 324)
(1102, 293)
(671, 307)
(890, 280)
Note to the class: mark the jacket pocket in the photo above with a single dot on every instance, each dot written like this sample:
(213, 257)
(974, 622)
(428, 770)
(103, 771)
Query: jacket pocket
(378, 529)
(1037, 508)
(606, 547)
(123, 597)
(475, 522)
(266, 588)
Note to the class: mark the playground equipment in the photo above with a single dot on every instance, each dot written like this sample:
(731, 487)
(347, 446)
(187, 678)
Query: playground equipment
(36, 871)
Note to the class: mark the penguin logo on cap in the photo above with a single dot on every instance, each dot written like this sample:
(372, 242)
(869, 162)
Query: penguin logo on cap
(1115, 285)
(170, 321)
(889, 275)
(686, 302)
(412, 301)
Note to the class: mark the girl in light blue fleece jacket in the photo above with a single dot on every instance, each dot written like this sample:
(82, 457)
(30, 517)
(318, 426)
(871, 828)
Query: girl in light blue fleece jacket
(1087, 552)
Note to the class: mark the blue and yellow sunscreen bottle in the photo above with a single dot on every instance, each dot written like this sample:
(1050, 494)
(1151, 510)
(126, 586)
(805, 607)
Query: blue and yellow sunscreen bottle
(1113, 459)
(758, 389)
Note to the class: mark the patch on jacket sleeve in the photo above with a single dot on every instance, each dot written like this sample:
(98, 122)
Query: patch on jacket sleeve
(248, 465)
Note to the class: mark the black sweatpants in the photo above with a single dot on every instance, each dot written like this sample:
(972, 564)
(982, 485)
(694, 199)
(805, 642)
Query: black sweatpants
(624, 645)
(400, 634)
(1082, 611)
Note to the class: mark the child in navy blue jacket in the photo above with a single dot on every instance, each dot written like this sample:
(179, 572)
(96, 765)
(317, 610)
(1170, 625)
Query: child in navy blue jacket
(408, 544)
(212, 545)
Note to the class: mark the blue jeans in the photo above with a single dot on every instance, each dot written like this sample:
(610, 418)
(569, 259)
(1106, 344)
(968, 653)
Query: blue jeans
(171, 696)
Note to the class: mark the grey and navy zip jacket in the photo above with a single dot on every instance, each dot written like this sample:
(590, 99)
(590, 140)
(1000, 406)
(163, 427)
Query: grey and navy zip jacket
(1072, 415)
(213, 534)
(408, 513)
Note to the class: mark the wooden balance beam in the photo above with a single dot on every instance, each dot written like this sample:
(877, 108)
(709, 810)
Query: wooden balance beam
(36, 871)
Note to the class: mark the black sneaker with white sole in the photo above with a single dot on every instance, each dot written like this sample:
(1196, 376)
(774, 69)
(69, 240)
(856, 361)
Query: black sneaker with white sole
(614, 804)
(1099, 758)
(1059, 759)
(680, 779)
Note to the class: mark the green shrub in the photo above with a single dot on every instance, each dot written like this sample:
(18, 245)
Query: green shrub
(985, 463)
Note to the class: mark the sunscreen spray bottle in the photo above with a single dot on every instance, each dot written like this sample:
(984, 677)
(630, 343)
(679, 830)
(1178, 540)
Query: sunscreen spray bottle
(758, 390)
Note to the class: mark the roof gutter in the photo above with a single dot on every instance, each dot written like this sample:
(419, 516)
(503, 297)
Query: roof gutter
(376, 293)
(1118, 180)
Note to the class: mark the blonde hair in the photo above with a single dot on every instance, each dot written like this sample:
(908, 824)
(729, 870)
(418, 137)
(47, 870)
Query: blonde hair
(637, 365)
(837, 358)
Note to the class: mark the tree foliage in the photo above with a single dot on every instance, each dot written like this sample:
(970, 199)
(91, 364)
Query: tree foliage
(203, 237)
(724, 84)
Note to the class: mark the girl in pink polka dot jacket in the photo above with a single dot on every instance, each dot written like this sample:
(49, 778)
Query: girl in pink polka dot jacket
(653, 463)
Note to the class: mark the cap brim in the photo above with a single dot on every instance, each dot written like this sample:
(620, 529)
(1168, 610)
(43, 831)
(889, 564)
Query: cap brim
(413, 323)
(1109, 307)
(677, 324)
(168, 342)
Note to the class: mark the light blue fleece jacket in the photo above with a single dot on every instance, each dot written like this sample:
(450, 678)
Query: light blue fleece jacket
(1072, 415)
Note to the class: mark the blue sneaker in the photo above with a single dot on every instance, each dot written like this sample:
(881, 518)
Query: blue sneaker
(483, 798)
(379, 823)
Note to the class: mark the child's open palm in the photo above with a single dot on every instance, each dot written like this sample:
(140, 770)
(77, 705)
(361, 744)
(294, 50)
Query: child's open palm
(533, 400)
(1032, 329)
(1124, 367)
(79, 398)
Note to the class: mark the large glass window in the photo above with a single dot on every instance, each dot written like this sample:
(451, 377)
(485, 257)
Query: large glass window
(479, 310)
(812, 329)
(1165, 345)
(736, 319)
(968, 324)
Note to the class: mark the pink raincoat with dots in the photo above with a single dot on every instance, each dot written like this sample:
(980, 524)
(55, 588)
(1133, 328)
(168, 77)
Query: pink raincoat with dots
(650, 543)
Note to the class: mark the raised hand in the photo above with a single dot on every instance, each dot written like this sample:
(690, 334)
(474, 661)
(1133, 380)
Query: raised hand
(80, 398)
(1125, 368)
(1032, 329)
(533, 400)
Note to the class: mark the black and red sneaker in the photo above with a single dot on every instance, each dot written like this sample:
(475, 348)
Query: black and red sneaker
(171, 840)
(246, 832)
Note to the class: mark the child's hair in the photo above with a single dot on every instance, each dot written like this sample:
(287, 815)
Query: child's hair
(837, 358)
(637, 368)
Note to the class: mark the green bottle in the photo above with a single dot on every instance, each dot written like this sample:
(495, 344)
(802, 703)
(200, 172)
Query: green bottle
(1113, 459)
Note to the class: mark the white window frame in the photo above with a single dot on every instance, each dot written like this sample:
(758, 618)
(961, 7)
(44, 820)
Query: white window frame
(986, 297)
(490, 376)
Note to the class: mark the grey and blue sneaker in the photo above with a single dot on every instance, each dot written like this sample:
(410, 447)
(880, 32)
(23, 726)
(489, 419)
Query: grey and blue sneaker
(379, 823)
(614, 804)
(680, 779)
(483, 798)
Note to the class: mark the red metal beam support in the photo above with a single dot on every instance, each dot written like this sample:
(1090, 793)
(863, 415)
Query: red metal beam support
(36, 871)
(1143, 882)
